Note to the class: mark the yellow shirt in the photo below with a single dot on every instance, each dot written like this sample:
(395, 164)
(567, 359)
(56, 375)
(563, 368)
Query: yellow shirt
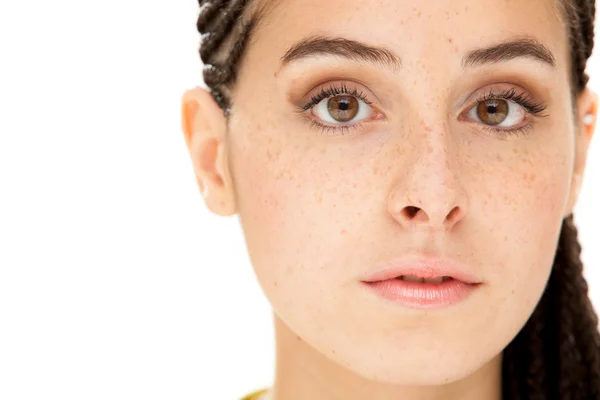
(258, 395)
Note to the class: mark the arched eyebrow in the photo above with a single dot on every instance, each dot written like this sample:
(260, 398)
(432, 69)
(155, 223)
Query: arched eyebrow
(358, 51)
(521, 47)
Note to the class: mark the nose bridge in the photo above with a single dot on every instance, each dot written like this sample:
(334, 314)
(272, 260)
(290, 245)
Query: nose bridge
(429, 187)
(435, 170)
(435, 151)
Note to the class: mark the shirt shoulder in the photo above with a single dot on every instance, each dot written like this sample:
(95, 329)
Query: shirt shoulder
(255, 395)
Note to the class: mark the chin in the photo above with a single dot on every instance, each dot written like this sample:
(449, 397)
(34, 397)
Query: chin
(417, 368)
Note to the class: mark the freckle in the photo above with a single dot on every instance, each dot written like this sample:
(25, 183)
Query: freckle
(499, 157)
(343, 232)
(420, 13)
(449, 40)
(275, 283)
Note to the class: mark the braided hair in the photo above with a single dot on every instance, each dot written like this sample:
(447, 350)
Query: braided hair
(556, 355)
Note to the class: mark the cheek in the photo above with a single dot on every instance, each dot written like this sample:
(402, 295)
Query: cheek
(538, 191)
(300, 212)
(280, 213)
(526, 209)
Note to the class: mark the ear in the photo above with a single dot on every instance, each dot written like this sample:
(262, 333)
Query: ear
(585, 125)
(204, 126)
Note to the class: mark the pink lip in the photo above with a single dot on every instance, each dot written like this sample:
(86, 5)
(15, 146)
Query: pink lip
(423, 268)
(421, 295)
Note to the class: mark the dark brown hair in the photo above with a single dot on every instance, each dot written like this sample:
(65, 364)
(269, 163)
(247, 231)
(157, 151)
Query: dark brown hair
(556, 355)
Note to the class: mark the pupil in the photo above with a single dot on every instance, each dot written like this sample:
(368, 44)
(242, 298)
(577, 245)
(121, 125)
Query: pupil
(491, 109)
(344, 105)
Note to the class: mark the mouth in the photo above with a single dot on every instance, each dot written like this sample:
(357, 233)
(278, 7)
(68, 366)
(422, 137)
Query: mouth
(412, 278)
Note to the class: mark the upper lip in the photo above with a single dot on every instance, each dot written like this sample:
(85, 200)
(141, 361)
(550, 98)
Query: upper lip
(424, 268)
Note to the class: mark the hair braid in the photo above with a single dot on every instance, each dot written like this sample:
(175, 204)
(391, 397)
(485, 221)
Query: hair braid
(207, 12)
(580, 16)
(571, 370)
(584, 336)
(556, 355)
(221, 27)
(223, 38)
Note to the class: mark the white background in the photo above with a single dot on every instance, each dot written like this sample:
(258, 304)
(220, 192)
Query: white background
(115, 280)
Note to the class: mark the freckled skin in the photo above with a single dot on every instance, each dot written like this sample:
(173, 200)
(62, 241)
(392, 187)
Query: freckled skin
(319, 210)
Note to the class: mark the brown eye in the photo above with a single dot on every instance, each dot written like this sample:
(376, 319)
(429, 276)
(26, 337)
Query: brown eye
(342, 108)
(492, 112)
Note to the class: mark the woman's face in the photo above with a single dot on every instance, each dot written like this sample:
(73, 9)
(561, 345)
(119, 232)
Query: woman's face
(321, 207)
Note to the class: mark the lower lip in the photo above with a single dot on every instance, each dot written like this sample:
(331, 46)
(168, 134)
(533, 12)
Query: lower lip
(423, 295)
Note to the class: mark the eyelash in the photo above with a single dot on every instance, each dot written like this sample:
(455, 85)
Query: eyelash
(531, 107)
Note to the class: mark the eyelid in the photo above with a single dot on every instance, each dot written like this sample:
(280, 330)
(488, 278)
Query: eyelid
(350, 84)
(508, 91)
(333, 90)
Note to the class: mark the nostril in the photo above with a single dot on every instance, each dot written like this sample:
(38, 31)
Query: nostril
(455, 213)
(411, 211)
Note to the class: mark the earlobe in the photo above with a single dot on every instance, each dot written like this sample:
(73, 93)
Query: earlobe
(204, 127)
(588, 112)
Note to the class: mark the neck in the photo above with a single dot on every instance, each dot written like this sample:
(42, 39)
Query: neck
(304, 373)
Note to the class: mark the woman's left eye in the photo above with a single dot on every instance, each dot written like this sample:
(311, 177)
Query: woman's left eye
(498, 113)
(506, 112)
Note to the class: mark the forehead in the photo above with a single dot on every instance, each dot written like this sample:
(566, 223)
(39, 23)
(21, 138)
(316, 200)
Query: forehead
(410, 28)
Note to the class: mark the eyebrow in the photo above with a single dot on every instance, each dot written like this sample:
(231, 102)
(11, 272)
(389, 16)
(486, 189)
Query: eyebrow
(362, 52)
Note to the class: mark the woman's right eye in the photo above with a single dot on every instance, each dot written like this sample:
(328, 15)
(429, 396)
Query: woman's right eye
(338, 109)
(342, 109)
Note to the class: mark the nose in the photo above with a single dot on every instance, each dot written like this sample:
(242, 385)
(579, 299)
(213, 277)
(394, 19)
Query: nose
(429, 193)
